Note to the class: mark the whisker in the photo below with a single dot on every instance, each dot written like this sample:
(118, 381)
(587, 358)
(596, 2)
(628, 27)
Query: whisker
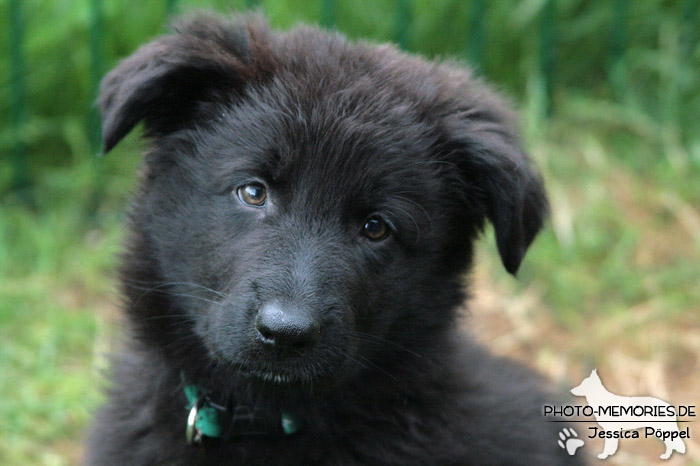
(377, 339)
(380, 369)
(163, 284)
(165, 292)
(427, 215)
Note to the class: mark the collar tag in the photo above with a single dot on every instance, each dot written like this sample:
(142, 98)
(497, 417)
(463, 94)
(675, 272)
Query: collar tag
(290, 423)
(207, 419)
(203, 419)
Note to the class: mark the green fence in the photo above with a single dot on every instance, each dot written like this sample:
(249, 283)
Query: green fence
(18, 99)
(476, 50)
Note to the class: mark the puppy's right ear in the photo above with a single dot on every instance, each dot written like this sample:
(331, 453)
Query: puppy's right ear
(165, 82)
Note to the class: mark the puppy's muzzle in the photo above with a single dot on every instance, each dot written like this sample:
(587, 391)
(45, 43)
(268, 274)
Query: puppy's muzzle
(286, 327)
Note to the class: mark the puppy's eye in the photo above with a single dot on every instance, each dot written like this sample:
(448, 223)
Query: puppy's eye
(253, 194)
(375, 229)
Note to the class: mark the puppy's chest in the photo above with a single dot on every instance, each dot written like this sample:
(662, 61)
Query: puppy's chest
(378, 441)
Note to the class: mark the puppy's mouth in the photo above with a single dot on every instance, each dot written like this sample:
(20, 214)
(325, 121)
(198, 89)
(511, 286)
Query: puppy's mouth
(297, 377)
(260, 366)
(276, 378)
(267, 371)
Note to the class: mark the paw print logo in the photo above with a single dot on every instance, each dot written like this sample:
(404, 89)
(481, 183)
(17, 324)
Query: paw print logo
(568, 440)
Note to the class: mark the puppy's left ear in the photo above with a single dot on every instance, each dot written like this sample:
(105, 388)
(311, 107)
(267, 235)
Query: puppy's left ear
(498, 176)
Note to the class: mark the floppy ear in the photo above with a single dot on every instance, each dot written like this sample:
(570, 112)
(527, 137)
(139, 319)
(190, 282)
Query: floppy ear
(165, 82)
(499, 176)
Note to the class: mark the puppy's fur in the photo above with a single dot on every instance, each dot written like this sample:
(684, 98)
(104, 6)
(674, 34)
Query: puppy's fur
(337, 133)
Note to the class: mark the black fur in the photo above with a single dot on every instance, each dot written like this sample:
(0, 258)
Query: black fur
(338, 132)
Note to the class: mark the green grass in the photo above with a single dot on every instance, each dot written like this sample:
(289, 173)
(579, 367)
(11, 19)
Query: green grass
(57, 301)
(47, 387)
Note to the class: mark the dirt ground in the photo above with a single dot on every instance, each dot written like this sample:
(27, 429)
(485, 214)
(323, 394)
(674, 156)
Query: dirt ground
(635, 354)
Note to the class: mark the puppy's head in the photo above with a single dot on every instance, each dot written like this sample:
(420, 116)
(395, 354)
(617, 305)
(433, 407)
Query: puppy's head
(311, 203)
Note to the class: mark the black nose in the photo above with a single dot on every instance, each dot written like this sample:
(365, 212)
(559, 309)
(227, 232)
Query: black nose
(286, 327)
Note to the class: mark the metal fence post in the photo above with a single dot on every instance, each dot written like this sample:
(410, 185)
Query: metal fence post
(94, 120)
(171, 8)
(689, 26)
(329, 10)
(404, 20)
(21, 182)
(477, 28)
(618, 46)
(96, 71)
(548, 53)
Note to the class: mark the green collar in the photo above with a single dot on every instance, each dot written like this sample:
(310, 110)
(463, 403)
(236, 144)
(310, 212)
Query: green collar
(208, 419)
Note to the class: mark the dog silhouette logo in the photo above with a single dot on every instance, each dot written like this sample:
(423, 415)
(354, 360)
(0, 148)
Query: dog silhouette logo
(621, 416)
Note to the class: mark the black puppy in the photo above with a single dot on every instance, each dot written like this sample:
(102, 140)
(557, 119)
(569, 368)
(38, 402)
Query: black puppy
(297, 254)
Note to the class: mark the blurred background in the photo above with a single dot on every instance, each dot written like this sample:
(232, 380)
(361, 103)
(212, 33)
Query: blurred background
(609, 98)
